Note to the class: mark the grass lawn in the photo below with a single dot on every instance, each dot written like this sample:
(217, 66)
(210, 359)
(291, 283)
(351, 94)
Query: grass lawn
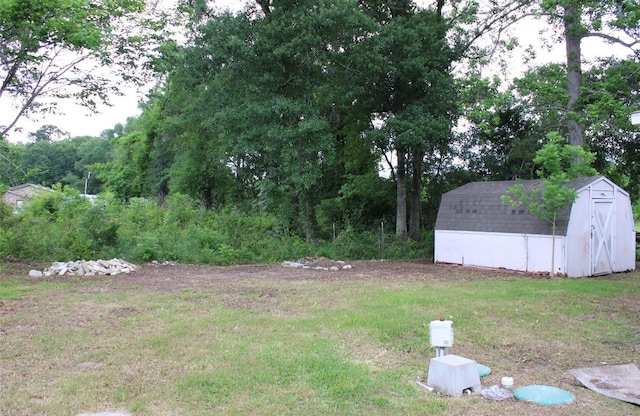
(303, 345)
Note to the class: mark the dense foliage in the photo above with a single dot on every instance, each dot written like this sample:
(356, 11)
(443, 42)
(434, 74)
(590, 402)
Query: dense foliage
(65, 226)
(318, 128)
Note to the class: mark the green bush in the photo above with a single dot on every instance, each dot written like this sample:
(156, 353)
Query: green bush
(63, 226)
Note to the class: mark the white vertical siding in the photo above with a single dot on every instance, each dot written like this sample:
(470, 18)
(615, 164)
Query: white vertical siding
(579, 236)
(539, 254)
(510, 251)
(625, 234)
(526, 252)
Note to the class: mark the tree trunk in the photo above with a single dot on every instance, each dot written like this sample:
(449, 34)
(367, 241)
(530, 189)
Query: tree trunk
(401, 194)
(265, 5)
(416, 206)
(573, 35)
(308, 225)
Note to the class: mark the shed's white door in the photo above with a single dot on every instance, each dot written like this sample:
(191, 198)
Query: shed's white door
(602, 225)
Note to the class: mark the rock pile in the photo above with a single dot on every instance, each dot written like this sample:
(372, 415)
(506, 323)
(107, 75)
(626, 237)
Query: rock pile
(317, 263)
(86, 268)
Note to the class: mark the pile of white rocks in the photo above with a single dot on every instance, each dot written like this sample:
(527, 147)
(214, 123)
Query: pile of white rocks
(317, 263)
(86, 268)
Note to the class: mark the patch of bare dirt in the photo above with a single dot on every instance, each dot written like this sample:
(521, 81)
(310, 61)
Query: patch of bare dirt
(172, 277)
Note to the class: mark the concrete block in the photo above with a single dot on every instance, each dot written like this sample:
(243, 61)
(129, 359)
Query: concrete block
(453, 374)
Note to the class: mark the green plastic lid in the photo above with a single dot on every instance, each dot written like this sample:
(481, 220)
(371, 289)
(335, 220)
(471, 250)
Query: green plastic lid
(483, 370)
(545, 395)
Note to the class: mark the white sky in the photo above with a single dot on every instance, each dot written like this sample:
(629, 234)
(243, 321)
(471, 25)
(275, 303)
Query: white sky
(78, 121)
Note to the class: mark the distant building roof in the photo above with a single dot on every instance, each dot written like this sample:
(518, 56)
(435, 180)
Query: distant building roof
(17, 188)
(20, 193)
(477, 206)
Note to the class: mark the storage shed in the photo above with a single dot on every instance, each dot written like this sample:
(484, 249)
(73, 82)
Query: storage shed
(594, 236)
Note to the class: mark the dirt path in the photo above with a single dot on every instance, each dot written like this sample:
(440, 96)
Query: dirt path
(170, 277)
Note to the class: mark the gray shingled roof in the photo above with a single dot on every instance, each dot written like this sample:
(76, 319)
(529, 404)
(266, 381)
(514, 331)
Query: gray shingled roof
(476, 206)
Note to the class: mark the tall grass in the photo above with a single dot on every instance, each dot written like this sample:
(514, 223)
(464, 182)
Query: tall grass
(62, 226)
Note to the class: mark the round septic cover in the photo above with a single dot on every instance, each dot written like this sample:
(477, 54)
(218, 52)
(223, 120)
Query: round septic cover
(483, 370)
(546, 395)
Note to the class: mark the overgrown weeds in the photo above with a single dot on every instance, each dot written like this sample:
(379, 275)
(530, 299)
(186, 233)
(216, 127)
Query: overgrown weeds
(63, 226)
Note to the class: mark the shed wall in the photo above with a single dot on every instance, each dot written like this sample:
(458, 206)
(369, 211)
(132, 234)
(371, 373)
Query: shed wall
(526, 252)
(12, 198)
(579, 236)
(625, 234)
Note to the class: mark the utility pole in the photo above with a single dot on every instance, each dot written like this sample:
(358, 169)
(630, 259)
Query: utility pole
(86, 183)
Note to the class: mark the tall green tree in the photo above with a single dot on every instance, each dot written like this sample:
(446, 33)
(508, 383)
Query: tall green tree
(615, 21)
(611, 89)
(505, 145)
(51, 50)
(66, 162)
(287, 83)
(48, 133)
(496, 25)
(409, 65)
(125, 173)
(273, 81)
(128, 173)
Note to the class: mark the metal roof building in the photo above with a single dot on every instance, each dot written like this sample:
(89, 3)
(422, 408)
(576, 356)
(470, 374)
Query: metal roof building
(594, 236)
